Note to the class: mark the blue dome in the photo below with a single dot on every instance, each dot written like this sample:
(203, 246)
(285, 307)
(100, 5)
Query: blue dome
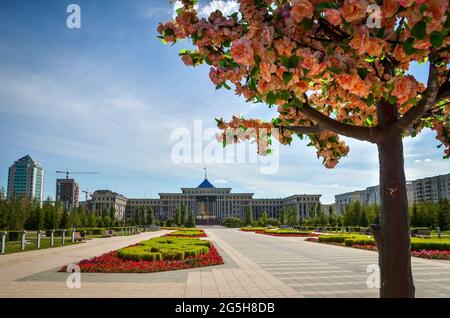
(205, 184)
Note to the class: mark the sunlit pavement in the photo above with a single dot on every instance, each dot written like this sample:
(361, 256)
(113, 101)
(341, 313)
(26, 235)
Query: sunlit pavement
(255, 266)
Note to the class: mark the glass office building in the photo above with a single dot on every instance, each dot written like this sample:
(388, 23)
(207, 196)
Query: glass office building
(26, 180)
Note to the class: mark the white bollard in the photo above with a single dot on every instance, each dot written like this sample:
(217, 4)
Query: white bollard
(3, 242)
(24, 240)
(38, 239)
(439, 232)
(52, 238)
(63, 237)
(73, 235)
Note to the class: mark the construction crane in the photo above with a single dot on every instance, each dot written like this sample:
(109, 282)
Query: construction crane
(67, 172)
(87, 193)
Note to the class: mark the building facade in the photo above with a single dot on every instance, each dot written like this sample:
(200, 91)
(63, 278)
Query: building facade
(68, 193)
(26, 180)
(211, 204)
(432, 189)
(103, 201)
(370, 195)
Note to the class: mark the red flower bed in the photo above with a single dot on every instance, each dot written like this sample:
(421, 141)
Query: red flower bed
(432, 254)
(369, 247)
(290, 234)
(111, 263)
(311, 239)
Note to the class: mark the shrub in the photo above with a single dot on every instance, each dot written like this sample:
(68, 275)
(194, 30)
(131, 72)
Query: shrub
(359, 241)
(417, 245)
(232, 222)
(164, 248)
(332, 239)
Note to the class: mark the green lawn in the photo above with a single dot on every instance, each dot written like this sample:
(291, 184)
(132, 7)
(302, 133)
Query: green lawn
(15, 246)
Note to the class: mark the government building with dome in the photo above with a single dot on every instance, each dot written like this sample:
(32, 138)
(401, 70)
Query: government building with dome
(209, 204)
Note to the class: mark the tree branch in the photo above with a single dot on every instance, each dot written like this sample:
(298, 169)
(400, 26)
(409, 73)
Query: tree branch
(428, 100)
(303, 129)
(327, 123)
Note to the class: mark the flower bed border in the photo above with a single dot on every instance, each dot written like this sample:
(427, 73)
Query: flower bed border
(428, 254)
(111, 263)
(291, 234)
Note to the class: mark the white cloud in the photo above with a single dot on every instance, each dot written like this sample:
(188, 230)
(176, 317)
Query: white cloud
(227, 7)
(220, 181)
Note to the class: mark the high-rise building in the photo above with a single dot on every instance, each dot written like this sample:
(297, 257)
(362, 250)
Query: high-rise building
(432, 189)
(26, 180)
(67, 193)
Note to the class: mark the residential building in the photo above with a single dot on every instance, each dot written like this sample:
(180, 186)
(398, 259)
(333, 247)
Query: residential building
(26, 180)
(67, 193)
(432, 189)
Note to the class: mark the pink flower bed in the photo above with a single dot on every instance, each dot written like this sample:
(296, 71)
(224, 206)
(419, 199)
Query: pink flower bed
(111, 263)
(290, 234)
(433, 254)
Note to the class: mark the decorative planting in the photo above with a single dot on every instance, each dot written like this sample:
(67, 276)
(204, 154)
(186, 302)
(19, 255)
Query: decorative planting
(155, 255)
(188, 233)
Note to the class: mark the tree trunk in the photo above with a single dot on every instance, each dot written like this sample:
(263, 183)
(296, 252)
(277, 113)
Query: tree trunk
(392, 237)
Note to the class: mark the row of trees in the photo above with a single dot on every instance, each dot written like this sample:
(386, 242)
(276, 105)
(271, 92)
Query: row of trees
(428, 214)
(29, 215)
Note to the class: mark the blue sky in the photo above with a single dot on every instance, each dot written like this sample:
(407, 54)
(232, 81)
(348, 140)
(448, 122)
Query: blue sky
(107, 97)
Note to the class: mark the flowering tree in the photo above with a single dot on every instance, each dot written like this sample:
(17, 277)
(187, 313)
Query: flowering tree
(335, 67)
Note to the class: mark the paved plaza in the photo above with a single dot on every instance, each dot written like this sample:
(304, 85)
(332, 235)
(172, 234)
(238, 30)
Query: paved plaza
(255, 266)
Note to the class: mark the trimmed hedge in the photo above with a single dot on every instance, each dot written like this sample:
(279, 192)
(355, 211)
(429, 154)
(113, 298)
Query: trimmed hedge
(422, 244)
(165, 248)
(332, 239)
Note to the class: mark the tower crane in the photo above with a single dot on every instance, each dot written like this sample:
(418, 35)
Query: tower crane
(67, 172)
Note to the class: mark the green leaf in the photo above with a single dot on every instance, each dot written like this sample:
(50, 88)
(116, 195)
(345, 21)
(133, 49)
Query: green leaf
(370, 100)
(369, 120)
(437, 38)
(226, 86)
(326, 5)
(287, 76)
(419, 30)
(392, 100)
(423, 8)
(362, 72)
(293, 61)
(276, 121)
(369, 59)
(409, 48)
(284, 95)
(271, 98)
(284, 61)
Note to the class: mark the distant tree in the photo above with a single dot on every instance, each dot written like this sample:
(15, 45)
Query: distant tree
(293, 218)
(184, 215)
(177, 216)
(112, 214)
(262, 221)
(91, 219)
(151, 217)
(106, 221)
(282, 216)
(364, 221)
(64, 223)
(191, 220)
(248, 221)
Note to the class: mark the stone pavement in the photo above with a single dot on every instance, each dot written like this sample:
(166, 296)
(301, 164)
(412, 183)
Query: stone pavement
(255, 266)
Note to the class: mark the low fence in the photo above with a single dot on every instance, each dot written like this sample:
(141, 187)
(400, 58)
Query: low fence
(18, 241)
